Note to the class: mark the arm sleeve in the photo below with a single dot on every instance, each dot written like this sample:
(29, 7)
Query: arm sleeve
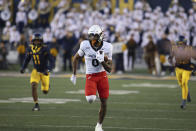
(27, 59)
(81, 50)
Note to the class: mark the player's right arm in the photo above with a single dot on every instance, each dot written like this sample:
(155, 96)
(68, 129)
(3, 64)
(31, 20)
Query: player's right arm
(107, 64)
(77, 56)
(26, 61)
(75, 62)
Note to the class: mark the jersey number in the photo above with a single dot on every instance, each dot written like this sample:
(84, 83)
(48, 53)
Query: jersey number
(36, 59)
(95, 62)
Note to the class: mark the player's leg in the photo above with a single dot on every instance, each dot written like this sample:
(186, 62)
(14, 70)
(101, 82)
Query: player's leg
(65, 60)
(187, 76)
(153, 65)
(34, 86)
(189, 96)
(90, 89)
(179, 79)
(35, 78)
(179, 76)
(133, 60)
(147, 60)
(103, 110)
(185, 79)
(45, 83)
(103, 90)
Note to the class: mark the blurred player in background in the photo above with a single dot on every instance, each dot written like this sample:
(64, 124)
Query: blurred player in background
(98, 60)
(180, 57)
(150, 51)
(43, 63)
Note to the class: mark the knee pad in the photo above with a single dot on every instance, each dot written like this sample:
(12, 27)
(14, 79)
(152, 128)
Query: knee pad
(91, 98)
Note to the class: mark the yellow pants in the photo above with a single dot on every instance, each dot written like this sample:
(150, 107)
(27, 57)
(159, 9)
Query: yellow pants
(183, 77)
(37, 76)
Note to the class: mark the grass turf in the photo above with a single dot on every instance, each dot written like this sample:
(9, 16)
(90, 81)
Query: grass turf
(151, 109)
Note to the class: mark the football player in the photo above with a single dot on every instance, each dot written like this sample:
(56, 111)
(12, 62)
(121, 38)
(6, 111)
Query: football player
(43, 63)
(98, 60)
(181, 58)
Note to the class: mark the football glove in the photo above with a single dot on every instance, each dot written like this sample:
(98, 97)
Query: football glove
(73, 79)
(46, 72)
(100, 56)
(22, 71)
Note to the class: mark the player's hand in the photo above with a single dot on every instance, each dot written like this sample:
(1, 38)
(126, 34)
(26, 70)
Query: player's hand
(46, 72)
(22, 71)
(73, 79)
(100, 56)
(194, 72)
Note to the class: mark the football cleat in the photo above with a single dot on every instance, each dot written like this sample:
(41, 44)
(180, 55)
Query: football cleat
(98, 127)
(36, 107)
(183, 105)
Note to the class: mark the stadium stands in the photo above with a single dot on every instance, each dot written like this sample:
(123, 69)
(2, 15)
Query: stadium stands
(56, 20)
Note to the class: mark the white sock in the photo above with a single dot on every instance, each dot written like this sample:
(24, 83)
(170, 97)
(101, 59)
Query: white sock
(98, 124)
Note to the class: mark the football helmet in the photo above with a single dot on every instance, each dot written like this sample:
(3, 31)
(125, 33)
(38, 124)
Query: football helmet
(37, 40)
(95, 33)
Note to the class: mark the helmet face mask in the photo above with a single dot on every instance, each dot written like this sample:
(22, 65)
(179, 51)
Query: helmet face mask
(94, 36)
(37, 42)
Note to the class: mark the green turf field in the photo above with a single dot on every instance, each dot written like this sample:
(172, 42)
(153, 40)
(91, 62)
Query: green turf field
(134, 105)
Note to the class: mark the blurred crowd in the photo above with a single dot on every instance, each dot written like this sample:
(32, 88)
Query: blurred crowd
(146, 33)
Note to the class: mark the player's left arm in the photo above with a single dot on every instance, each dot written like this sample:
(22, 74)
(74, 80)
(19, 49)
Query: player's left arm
(107, 65)
(51, 61)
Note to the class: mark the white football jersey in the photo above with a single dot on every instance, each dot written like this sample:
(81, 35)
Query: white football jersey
(89, 53)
